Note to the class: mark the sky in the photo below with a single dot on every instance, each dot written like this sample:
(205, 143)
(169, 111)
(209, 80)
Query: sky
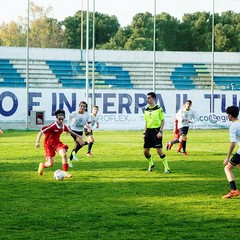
(124, 10)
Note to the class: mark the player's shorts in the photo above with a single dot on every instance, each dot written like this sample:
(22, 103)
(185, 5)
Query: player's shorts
(235, 160)
(50, 151)
(77, 132)
(183, 131)
(151, 140)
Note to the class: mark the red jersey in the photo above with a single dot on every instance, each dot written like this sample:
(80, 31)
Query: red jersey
(52, 141)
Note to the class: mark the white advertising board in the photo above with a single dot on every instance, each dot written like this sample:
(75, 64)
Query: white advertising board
(119, 109)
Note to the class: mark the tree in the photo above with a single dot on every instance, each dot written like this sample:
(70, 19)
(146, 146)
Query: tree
(105, 28)
(142, 32)
(12, 34)
(227, 32)
(44, 32)
(167, 29)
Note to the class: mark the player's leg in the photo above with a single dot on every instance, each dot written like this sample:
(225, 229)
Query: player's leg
(148, 143)
(62, 152)
(164, 160)
(90, 144)
(148, 156)
(78, 142)
(49, 153)
(234, 161)
(171, 143)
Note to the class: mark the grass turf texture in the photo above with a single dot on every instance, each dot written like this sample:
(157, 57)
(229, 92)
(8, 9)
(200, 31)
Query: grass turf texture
(111, 194)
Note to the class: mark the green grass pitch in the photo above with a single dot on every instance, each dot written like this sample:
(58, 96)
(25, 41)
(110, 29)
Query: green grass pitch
(112, 196)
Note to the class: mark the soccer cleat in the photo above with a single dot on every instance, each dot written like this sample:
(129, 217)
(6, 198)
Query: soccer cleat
(185, 153)
(70, 163)
(89, 154)
(150, 168)
(75, 158)
(167, 171)
(232, 193)
(40, 169)
(67, 175)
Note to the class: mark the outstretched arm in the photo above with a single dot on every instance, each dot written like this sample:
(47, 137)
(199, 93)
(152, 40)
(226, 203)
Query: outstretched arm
(38, 139)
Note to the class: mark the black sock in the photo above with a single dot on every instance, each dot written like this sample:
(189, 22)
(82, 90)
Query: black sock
(71, 156)
(233, 185)
(90, 147)
(184, 143)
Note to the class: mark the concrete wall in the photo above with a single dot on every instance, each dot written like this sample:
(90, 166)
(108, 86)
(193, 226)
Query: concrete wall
(118, 56)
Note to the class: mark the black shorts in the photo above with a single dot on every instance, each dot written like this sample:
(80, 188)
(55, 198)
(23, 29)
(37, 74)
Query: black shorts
(235, 160)
(183, 131)
(151, 140)
(77, 132)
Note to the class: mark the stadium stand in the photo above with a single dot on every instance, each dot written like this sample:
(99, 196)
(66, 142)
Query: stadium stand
(118, 75)
(72, 74)
(9, 77)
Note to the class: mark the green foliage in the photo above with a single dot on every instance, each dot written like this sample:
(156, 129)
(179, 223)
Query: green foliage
(192, 33)
(112, 196)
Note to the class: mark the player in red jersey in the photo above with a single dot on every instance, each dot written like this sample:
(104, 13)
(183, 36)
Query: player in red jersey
(52, 143)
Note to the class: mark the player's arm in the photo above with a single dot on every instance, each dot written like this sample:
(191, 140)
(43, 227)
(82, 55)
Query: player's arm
(38, 139)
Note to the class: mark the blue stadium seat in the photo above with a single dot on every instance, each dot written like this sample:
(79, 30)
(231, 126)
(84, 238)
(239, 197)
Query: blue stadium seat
(72, 74)
(9, 75)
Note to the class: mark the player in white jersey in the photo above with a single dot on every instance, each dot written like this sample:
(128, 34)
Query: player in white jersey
(185, 116)
(79, 120)
(230, 163)
(94, 121)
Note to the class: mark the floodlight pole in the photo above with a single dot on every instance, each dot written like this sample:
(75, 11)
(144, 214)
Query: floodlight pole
(154, 46)
(81, 40)
(87, 52)
(212, 70)
(27, 63)
(93, 56)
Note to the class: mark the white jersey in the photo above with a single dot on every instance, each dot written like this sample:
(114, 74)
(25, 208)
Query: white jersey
(234, 132)
(94, 120)
(77, 121)
(184, 116)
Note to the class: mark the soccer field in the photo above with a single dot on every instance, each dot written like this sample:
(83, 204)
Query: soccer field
(112, 196)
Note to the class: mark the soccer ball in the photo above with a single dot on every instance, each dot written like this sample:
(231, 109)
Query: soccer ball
(59, 175)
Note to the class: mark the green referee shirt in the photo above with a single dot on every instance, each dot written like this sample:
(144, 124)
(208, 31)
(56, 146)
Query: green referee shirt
(153, 116)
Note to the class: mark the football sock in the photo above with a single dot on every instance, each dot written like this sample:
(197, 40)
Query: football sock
(179, 146)
(150, 161)
(233, 185)
(65, 167)
(43, 165)
(71, 156)
(184, 143)
(90, 146)
(78, 147)
(165, 162)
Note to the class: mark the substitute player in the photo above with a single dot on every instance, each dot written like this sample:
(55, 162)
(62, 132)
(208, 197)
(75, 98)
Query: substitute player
(230, 163)
(154, 123)
(94, 121)
(52, 143)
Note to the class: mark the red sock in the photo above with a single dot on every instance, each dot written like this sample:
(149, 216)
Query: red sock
(43, 165)
(65, 167)
(179, 146)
